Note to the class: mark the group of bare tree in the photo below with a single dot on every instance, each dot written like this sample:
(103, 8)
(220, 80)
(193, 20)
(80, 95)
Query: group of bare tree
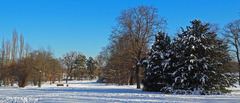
(130, 40)
(232, 34)
(19, 64)
(117, 63)
(78, 67)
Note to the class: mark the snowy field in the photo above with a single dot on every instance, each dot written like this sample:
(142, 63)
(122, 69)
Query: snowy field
(92, 92)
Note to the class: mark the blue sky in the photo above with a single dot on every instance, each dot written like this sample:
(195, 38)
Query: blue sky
(85, 25)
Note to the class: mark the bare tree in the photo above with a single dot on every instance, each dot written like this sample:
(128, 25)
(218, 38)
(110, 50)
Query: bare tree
(69, 60)
(121, 62)
(75, 64)
(8, 52)
(232, 34)
(27, 50)
(139, 24)
(47, 67)
(21, 53)
(3, 53)
(103, 59)
(22, 65)
(23, 71)
(14, 46)
(2, 61)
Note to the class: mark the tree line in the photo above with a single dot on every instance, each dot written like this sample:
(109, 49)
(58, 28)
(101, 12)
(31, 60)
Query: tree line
(21, 65)
(122, 60)
(196, 59)
(78, 67)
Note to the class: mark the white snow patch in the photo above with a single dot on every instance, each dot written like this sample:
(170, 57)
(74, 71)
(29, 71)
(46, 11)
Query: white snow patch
(92, 92)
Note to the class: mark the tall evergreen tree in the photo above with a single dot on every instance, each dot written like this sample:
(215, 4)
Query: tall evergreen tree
(91, 66)
(80, 70)
(199, 56)
(157, 74)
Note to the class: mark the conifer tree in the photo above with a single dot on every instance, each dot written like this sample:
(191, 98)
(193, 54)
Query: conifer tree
(157, 74)
(199, 56)
(91, 66)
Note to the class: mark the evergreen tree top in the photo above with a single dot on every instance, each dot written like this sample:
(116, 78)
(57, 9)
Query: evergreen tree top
(161, 41)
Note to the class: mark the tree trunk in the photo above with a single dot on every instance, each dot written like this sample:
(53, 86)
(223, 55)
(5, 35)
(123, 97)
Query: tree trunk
(40, 80)
(50, 80)
(238, 59)
(239, 72)
(34, 82)
(137, 77)
(12, 82)
(59, 79)
(6, 81)
(137, 69)
(131, 76)
(67, 79)
(70, 77)
(128, 80)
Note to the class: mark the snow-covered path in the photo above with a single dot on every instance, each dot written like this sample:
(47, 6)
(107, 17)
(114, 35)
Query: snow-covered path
(92, 92)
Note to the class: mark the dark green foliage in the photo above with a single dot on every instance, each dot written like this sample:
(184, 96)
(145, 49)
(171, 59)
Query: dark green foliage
(200, 61)
(91, 66)
(157, 76)
(194, 63)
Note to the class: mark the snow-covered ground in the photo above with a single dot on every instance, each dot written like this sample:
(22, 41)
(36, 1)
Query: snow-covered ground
(90, 91)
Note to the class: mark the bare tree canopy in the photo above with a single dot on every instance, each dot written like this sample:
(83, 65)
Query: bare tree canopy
(232, 34)
(138, 26)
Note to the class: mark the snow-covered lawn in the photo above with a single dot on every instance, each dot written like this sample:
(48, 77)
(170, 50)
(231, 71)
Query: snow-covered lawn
(90, 91)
